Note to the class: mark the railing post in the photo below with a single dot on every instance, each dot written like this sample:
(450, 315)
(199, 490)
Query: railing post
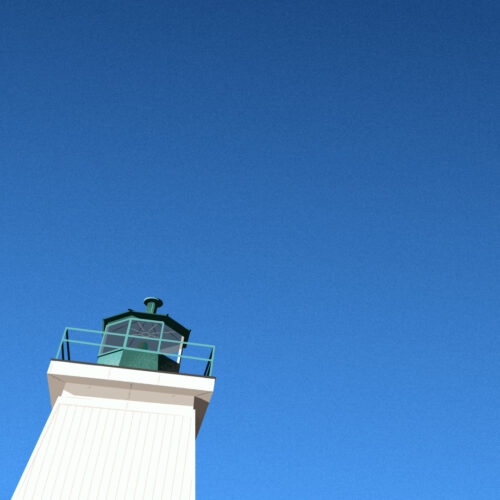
(212, 355)
(61, 345)
(67, 344)
(209, 364)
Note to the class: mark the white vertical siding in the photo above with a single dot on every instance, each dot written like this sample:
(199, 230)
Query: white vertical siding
(97, 448)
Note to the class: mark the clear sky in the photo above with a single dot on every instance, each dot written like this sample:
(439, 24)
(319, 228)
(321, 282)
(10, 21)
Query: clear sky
(313, 187)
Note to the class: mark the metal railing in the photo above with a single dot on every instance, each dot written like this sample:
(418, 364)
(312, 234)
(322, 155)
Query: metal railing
(66, 341)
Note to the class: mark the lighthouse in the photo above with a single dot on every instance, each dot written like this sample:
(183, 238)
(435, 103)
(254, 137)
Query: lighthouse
(127, 405)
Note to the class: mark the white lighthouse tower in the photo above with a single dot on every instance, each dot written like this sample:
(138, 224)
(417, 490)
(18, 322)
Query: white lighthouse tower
(124, 425)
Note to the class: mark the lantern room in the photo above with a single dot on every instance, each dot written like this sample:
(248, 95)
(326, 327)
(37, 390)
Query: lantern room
(147, 340)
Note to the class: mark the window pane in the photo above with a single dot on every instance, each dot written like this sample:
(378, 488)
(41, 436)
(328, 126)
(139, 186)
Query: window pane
(170, 335)
(146, 329)
(114, 340)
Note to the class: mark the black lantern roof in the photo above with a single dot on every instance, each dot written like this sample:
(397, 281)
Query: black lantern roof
(153, 316)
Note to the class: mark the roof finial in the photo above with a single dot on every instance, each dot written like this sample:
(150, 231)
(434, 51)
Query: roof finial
(152, 304)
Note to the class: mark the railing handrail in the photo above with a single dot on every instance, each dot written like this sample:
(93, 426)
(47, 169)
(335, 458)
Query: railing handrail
(138, 337)
(66, 340)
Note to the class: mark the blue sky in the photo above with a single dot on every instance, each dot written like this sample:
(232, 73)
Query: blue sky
(311, 186)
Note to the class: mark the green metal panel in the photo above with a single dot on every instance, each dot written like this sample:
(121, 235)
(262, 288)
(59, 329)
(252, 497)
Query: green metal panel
(110, 358)
(145, 360)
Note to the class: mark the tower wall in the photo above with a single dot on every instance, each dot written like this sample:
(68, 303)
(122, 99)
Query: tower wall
(117, 433)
